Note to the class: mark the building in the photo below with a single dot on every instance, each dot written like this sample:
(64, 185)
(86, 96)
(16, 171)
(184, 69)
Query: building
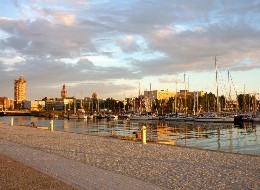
(152, 95)
(36, 105)
(187, 93)
(158, 94)
(63, 92)
(19, 92)
(6, 104)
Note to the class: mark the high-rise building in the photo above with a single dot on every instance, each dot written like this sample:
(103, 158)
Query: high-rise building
(19, 90)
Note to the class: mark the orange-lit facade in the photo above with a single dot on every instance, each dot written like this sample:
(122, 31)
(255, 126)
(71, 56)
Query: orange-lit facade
(19, 90)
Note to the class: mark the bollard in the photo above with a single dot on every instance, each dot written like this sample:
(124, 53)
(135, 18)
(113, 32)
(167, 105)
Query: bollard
(51, 125)
(143, 130)
(12, 121)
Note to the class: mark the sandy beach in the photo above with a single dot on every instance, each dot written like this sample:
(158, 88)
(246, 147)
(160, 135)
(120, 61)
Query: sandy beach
(159, 166)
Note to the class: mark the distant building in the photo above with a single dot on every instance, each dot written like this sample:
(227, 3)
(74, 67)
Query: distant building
(151, 96)
(19, 92)
(182, 93)
(63, 92)
(36, 105)
(158, 94)
(58, 104)
(6, 103)
(94, 95)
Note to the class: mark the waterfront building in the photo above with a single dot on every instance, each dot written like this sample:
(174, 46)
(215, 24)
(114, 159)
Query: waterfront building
(36, 105)
(158, 94)
(58, 104)
(187, 93)
(63, 92)
(152, 95)
(6, 104)
(19, 92)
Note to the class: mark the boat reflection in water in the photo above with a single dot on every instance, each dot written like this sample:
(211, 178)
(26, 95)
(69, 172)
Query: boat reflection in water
(214, 136)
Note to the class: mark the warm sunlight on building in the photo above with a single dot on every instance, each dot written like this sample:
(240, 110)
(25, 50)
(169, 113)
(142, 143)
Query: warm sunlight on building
(19, 91)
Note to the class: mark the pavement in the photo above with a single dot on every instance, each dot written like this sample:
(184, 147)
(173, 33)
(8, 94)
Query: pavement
(91, 162)
(15, 175)
(57, 172)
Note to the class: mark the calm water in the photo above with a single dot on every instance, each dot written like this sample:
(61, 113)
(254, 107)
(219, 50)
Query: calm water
(225, 137)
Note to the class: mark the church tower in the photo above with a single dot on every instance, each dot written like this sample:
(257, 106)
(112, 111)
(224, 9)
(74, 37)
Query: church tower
(63, 92)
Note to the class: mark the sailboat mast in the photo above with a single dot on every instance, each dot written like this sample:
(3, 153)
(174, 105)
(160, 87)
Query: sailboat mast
(175, 104)
(217, 83)
(185, 95)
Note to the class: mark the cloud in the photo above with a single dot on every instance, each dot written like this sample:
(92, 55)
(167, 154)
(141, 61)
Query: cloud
(133, 40)
(128, 44)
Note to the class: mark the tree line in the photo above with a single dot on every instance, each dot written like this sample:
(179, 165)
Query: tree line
(190, 105)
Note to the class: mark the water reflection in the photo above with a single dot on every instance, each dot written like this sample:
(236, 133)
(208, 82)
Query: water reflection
(225, 137)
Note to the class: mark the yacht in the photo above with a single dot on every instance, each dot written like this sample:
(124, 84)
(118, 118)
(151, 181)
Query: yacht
(175, 117)
(213, 117)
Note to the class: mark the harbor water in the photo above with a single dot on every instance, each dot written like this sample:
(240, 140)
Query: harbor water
(244, 139)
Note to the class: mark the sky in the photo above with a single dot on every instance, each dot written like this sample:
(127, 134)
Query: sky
(112, 47)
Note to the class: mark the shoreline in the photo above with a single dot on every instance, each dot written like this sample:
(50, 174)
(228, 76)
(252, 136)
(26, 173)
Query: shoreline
(125, 138)
(165, 166)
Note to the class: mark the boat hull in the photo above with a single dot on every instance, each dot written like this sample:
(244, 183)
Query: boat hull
(215, 120)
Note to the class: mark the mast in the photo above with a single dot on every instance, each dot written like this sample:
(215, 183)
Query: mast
(175, 104)
(185, 94)
(229, 93)
(139, 91)
(74, 104)
(150, 97)
(217, 83)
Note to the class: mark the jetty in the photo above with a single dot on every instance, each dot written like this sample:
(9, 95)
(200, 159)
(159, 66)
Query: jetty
(91, 162)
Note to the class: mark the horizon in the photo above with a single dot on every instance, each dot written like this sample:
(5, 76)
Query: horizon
(109, 47)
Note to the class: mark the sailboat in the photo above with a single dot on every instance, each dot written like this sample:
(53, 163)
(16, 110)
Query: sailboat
(74, 115)
(82, 114)
(212, 116)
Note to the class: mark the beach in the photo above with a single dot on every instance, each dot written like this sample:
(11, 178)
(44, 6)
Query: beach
(117, 164)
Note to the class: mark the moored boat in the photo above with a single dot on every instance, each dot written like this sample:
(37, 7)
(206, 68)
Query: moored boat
(73, 116)
(175, 117)
(82, 116)
(213, 117)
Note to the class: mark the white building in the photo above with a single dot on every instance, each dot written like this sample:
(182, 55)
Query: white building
(35, 105)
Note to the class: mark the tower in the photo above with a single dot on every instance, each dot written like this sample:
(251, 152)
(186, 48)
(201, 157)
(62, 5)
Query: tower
(63, 92)
(19, 91)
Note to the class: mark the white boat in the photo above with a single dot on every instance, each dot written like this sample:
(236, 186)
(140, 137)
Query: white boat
(73, 116)
(82, 116)
(256, 118)
(112, 116)
(139, 117)
(153, 117)
(189, 119)
(124, 116)
(175, 117)
(90, 116)
(213, 117)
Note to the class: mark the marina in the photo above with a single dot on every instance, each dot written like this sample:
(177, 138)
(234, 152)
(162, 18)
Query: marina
(227, 137)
